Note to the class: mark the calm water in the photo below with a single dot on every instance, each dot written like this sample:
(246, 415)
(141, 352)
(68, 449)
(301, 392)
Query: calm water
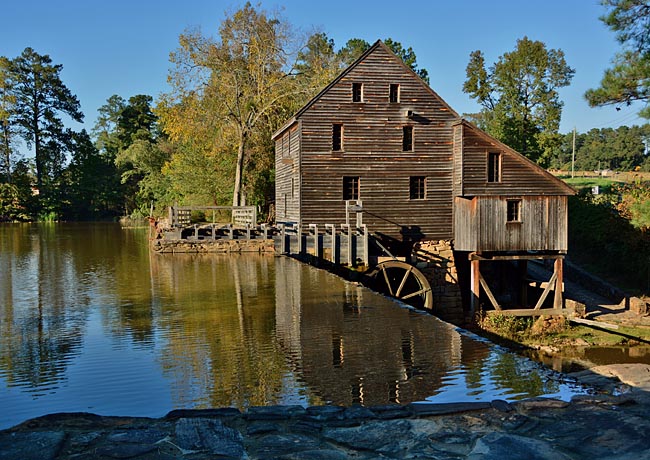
(91, 321)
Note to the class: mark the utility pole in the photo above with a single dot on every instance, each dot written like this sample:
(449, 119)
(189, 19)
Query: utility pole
(573, 154)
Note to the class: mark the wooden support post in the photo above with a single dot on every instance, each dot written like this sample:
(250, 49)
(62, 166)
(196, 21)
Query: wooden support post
(559, 284)
(231, 232)
(475, 281)
(196, 231)
(248, 231)
(265, 231)
(299, 236)
(283, 239)
(346, 228)
(333, 245)
(366, 256)
(213, 232)
(313, 231)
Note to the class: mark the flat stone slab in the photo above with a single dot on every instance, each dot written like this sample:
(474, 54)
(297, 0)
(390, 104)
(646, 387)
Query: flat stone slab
(590, 426)
(204, 435)
(39, 445)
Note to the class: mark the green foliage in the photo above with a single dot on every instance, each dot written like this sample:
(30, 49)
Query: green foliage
(519, 96)
(11, 208)
(607, 243)
(634, 203)
(129, 144)
(505, 326)
(94, 187)
(41, 98)
(627, 81)
(620, 149)
(7, 130)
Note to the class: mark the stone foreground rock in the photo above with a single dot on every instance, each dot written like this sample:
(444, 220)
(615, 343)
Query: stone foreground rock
(599, 426)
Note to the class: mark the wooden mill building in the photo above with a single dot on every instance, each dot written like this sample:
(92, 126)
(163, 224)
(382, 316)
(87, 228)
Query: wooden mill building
(380, 135)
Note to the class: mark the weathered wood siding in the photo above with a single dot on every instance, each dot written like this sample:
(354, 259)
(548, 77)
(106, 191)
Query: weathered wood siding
(518, 175)
(372, 150)
(287, 178)
(481, 224)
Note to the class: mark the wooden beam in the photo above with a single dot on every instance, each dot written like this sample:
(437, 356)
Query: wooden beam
(487, 290)
(549, 286)
(475, 256)
(559, 284)
(475, 287)
(532, 312)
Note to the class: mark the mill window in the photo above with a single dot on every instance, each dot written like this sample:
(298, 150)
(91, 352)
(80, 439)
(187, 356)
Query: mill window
(513, 210)
(337, 137)
(393, 93)
(494, 167)
(417, 187)
(351, 188)
(357, 92)
(407, 139)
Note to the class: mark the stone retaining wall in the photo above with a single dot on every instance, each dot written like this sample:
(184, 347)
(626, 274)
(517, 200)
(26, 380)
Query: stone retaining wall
(214, 246)
(435, 259)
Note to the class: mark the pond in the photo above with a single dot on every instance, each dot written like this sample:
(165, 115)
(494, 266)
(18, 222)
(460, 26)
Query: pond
(91, 321)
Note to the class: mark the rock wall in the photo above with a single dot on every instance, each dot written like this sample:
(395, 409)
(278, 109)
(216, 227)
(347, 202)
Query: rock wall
(213, 246)
(435, 259)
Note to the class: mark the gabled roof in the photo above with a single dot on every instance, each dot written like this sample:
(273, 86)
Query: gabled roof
(372, 49)
(534, 166)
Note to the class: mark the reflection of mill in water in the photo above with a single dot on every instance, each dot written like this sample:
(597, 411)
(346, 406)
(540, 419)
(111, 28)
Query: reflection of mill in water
(357, 347)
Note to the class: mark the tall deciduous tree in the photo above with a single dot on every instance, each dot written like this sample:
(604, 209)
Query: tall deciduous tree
(628, 80)
(241, 77)
(519, 96)
(41, 98)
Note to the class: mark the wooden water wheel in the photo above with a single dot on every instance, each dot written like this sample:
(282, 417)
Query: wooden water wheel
(402, 281)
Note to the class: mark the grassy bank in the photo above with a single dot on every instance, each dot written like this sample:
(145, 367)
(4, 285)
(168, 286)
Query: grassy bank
(557, 332)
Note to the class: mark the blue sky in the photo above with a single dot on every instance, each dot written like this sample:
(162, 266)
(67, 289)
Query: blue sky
(122, 47)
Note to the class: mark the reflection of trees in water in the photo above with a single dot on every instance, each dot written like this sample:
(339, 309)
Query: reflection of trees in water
(352, 346)
(43, 310)
(512, 372)
(218, 320)
(52, 275)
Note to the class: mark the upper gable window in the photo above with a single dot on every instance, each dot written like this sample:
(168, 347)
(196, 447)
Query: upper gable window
(393, 92)
(337, 137)
(494, 167)
(357, 92)
(407, 138)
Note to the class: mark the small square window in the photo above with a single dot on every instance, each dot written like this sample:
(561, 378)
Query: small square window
(513, 210)
(357, 92)
(351, 188)
(417, 187)
(393, 93)
(494, 167)
(407, 139)
(337, 137)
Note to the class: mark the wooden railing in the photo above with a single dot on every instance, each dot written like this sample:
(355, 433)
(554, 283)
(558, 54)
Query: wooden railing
(180, 216)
